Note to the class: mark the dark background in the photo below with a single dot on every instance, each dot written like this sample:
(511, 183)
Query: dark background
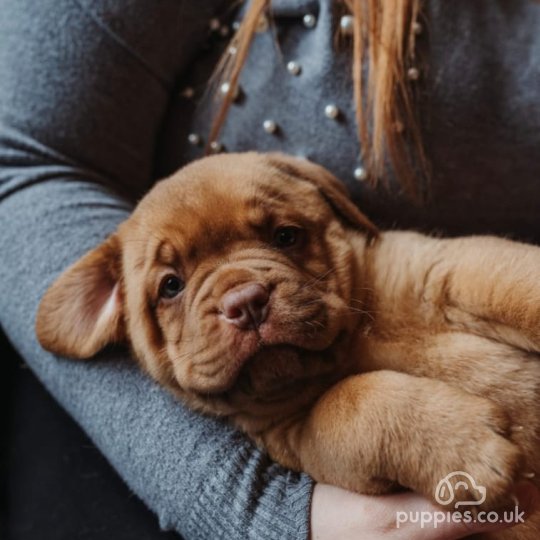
(54, 483)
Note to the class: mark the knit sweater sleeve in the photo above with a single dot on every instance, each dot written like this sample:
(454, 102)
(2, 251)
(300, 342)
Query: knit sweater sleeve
(84, 85)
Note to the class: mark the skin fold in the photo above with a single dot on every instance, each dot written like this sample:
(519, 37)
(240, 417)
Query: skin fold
(379, 362)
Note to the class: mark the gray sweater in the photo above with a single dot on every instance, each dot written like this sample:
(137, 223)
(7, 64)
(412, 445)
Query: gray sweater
(93, 110)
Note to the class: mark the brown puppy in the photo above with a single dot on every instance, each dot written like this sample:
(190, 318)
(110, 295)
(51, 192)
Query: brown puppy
(253, 288)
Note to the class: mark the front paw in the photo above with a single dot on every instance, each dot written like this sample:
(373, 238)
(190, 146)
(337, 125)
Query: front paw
(475, 464)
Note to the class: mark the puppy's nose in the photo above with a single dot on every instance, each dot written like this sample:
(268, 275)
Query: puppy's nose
(246, 306)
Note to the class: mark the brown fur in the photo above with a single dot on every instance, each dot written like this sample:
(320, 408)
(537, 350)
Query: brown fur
(386, 361)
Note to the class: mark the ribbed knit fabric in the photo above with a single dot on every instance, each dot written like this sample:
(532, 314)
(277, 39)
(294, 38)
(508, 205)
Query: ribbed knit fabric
(90, 109)
(79, 115)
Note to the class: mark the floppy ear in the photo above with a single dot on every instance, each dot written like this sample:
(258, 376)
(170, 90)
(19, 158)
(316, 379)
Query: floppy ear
(333, 191)
(82, 311)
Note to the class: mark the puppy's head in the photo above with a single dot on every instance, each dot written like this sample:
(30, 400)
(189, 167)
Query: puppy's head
(231, 256)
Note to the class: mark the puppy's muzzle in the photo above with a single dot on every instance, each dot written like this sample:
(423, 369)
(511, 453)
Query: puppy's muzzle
(246, 306)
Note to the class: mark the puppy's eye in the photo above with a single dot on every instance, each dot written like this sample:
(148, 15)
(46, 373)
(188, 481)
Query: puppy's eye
(285, 237)
(171, 286)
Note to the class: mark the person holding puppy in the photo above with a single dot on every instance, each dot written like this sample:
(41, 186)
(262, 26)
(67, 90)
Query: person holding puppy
(98, 100)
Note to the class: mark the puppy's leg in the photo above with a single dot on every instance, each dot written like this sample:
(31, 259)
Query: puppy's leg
(373, 431)
(507, 375)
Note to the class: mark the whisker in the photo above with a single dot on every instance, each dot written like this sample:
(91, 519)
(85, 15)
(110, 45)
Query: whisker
(316, 279)
(320, 324)
(354, 310)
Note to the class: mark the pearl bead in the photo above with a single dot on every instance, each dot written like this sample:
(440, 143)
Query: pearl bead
(214, 24)
(188, 92)
(417, 28)
(360, 173)
(216, 146)
(225, 88)
(270, 126)
(331, 111)
(294, 68)
(346, 25)
(413, 74)
(309, 20)
(224, 31)
(232, 50)
(236, 25)
(194, 139)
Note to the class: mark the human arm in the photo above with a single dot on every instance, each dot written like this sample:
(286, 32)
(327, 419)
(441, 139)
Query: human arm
(79, 117)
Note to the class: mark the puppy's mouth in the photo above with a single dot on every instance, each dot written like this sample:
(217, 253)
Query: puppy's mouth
(265, 368)
(252, 347)
(271, 368)
(272, 351)
(256, 341)
(268, 365)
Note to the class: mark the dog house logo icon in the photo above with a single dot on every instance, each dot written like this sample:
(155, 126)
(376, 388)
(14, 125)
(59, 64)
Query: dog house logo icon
(445, 491)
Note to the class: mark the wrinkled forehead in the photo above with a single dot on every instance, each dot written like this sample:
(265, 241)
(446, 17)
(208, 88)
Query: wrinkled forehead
(211, 202)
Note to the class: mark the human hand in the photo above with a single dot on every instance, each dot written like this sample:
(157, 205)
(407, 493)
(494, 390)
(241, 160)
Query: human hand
(337, 513)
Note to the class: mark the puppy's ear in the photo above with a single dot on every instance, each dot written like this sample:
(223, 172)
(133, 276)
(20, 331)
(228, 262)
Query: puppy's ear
(82, 311)
(333, 191)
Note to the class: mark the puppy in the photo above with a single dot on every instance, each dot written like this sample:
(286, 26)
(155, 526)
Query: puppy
(252, 287)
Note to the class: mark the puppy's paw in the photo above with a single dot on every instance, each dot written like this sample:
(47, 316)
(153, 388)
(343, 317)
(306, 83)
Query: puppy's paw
(479, 463)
